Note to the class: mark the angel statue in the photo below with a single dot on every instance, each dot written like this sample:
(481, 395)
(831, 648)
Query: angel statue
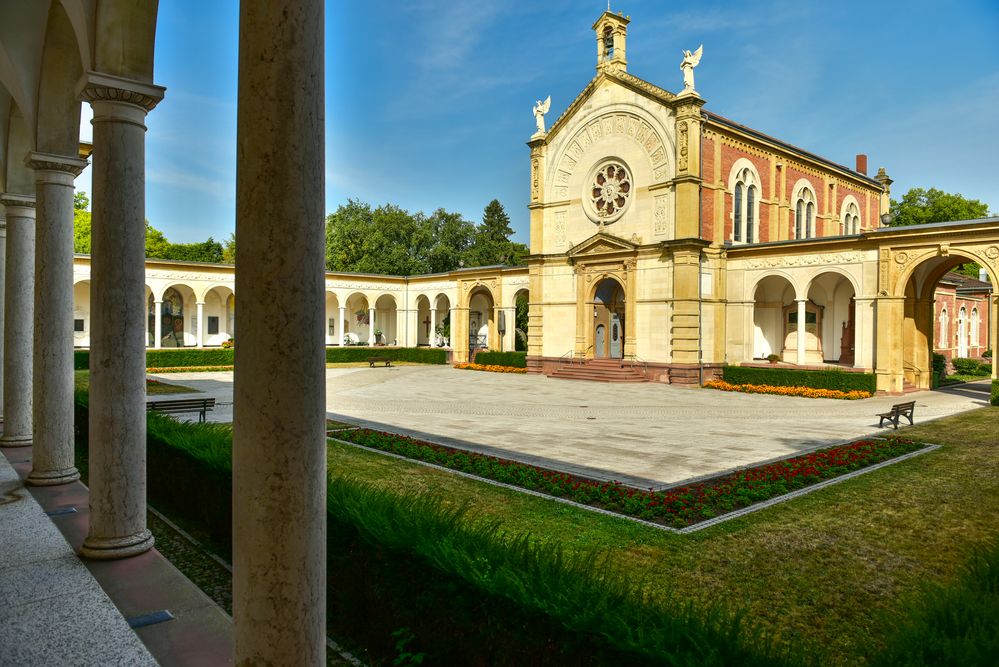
(690, 61)
(540, 109)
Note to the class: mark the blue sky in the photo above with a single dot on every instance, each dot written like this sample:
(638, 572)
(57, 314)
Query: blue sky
(428, 104)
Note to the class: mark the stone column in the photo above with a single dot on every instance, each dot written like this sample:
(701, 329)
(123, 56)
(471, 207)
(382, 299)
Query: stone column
(157, 324)
(371, 326)
(339, 325)
(800, 358)
(3, 265)
(279, 444)
(433, 326)
(201, 324)
(118, 306)
(19, 291)
(53, 455)
(453, 317)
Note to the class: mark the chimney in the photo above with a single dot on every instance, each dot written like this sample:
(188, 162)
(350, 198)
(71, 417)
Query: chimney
(862, 163)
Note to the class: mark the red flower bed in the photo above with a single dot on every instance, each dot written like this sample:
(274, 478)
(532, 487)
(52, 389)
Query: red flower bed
(677, 507)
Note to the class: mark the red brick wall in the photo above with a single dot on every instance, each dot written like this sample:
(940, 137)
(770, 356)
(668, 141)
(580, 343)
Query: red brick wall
(947, 297)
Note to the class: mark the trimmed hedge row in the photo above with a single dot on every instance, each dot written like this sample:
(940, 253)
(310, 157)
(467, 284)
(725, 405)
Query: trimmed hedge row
(420, 355)
(462, 589)
(183, 357)
(791, 377)
(972, 366)
(995, 392)
(512, 359)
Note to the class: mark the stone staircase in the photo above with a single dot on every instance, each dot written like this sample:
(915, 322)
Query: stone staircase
(600, 370)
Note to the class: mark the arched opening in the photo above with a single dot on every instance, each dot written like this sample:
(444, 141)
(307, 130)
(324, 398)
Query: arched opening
(441, 314)
(333, 327)
(923, 328)
(357, 323)
(608, 319)
(81, 314)
(424, 323)
(481, 327)
(773, 296)
(178, 322)
(217, 316)
(832, 295)
(521, 303)
(386, 331)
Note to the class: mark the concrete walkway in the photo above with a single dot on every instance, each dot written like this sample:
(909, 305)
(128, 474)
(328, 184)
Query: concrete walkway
(649, 435)
(52, 610)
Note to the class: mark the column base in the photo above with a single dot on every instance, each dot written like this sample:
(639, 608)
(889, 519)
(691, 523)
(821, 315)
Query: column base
(52, 477)
(16, 441)
(111, 548)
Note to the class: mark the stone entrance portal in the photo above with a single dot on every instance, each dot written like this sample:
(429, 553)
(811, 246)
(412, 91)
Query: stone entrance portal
(608, 319)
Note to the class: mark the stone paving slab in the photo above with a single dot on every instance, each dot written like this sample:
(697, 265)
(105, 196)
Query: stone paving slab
(52, 611)
(645, 434)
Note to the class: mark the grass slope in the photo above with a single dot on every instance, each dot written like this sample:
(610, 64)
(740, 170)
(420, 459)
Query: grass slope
(824, 570)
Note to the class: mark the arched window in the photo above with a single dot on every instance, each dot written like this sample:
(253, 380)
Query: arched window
(804, 211)
(944, 336)
(850, 217)
(608, 43)
(745, 184)
(975, 326)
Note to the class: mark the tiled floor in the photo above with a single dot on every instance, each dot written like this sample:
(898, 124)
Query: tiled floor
(649, 435)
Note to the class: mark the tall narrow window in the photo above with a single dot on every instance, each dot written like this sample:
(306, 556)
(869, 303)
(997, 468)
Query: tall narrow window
(750, 208)
(737, 211)
(851, 217)
(804, 219)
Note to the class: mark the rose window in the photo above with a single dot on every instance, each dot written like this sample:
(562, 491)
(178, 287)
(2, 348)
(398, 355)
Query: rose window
(610, 190)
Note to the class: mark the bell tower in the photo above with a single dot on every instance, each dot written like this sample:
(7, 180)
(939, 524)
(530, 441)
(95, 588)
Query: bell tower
(612, 32)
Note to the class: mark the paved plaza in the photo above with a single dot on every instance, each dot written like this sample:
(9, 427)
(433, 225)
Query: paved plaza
(649, 435)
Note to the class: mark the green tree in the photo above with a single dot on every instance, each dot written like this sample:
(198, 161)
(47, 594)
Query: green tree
(346, 229)
(920, 207)
(81, 223)
(157, 245)
(229, 249)
(386, 240)
(206, 251)
(451, 240)
(492, 243)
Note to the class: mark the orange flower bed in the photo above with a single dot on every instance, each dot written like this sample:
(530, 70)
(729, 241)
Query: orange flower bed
(805, 392)
(490, 368)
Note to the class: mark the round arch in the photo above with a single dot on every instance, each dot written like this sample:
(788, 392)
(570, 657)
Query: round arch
(607, 330)
(831, 295)
(81, 313)
(482, 330)
(357, 319)
(386, 319)
(773, 294)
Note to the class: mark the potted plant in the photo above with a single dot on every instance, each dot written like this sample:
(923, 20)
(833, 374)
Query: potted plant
(378, 337)
(773, 359)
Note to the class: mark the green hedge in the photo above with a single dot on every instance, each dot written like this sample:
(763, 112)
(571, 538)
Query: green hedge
(939, 364)
(513, 359)
(464, 590)
(790, 377)
(421, 355)
(995, 392)
(183, 357)
(971, 367)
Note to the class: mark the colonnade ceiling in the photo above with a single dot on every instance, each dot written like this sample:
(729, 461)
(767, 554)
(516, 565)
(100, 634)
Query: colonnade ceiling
(47, 49)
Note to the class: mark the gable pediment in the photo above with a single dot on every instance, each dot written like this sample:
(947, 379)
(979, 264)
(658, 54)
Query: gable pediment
(623, 79)
(601, 243)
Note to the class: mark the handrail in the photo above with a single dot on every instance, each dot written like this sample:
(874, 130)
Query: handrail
(585, 355)
(562, 360)
(635, 359)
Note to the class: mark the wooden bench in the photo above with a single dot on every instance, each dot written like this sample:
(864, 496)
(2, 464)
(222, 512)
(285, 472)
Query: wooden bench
(177, 406)
(898, 410)
(379, 360)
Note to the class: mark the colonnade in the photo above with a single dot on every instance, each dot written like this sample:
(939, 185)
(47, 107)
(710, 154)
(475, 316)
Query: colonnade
(279, 457)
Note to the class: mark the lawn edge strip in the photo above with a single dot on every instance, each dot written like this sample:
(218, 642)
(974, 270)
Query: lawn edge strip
(707, 523)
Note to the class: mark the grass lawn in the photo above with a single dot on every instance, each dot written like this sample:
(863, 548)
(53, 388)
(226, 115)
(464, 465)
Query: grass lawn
(958, 378)
(157, 388)
(823, 571)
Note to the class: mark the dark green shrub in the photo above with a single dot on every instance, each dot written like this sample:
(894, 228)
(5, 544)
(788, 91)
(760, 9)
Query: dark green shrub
(985, 368)
(181, 357)
(420, 355)
(512, 359)
(995, 392)
(939, 365)
(969, 366)
(790, 377)
(956, 624)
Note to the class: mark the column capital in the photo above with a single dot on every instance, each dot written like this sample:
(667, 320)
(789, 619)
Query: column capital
(98, 87)
(60, 163)
(18, 206)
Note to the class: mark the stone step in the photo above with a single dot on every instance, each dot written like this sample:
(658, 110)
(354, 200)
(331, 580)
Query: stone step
(599, 371)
